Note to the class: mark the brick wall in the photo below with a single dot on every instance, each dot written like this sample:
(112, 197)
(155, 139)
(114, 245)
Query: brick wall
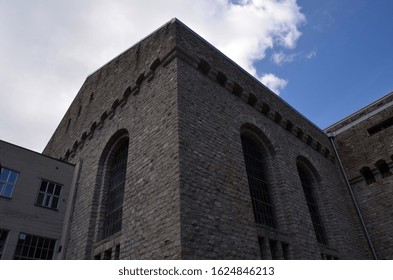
(359, 149)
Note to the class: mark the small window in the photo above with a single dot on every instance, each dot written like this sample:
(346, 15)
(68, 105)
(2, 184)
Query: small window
(117, 252)
(367, 175)
(31, 247)
(381, 126)
(383, 168)
(48, 195)
(108, 254)
(3, 238)
(8, 180)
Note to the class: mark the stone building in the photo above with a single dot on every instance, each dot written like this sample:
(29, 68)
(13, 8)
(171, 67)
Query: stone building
(184, 155)
(181, 154)
(364, 141)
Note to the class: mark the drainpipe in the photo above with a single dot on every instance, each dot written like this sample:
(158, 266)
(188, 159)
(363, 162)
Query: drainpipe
(331, 136)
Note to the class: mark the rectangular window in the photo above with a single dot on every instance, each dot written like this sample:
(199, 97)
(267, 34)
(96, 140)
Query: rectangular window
(31, 247)
(7, 182)
(381, 126)
(3, 238)
(48, 195)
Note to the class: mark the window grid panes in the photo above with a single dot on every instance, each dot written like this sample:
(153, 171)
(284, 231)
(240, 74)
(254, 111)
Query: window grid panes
(312, 206)
(49, 195)
(117, 176)
(8, 180)
(3, 238)
(31, 247)
(259, 189)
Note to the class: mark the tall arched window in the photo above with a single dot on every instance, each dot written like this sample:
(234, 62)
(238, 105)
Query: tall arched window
(308, 183)
(259, 188)
(116, 176)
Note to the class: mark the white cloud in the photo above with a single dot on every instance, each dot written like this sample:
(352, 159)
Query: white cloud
(273, 82)
(280, 58)
(311, 54)
(48, 48)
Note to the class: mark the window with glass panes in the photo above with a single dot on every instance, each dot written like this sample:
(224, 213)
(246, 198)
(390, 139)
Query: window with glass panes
(259, 187)
(7, 182)
(114, 199)
(31, 247)
(49, 194)
(307, 184)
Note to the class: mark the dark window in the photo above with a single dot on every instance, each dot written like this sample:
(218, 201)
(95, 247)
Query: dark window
(307, 184)
(259, 189)
(273, 249)
(3, 238)
(7, 182)
(108, 254)
(262, 248)
(285, 250)
(381, 126)
(117, 252)
(367, 175)
(114, 199)
(31, 247)
(49, 195)
(383, 168)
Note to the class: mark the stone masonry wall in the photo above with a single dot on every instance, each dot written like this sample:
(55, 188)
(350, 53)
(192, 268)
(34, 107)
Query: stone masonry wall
(358, 149)
(135, 92)
(216, 214)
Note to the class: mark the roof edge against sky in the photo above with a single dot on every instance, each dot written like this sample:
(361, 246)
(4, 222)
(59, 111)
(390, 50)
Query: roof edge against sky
(362, 114)
(36, 153)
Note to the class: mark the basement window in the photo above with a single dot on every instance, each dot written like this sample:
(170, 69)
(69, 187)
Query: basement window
(31, 247)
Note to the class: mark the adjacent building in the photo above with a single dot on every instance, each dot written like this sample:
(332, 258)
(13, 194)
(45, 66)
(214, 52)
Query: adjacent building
(34, 196)
(365, 143)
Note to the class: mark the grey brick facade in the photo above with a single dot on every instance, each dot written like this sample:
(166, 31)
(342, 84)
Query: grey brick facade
(363, 140)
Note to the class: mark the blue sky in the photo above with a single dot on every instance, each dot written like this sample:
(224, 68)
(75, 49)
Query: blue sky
(325, 58)
(351, 43)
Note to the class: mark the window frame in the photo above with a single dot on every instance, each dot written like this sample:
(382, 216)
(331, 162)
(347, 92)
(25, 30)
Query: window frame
(47, 195)
(23, 249)
(6, 182)
(258, 183)
(309, 182)
(113, 215)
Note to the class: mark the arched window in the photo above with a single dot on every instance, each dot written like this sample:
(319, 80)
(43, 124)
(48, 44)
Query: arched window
(309, 182)
(116, 166)
(367, 175)
(383, 168)
(259, 188)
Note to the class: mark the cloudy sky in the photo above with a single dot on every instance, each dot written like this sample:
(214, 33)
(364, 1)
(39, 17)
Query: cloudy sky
(325, 58)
